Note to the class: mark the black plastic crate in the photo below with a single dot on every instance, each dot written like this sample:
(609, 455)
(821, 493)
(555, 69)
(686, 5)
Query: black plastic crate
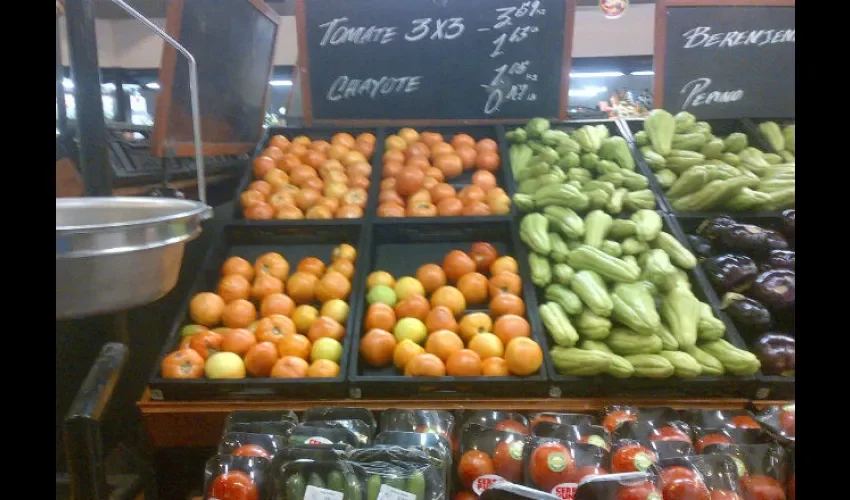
(400, 249)
(294, 243)
(504, 178)
(315, 133)
(671, 387)
(767, 386)
(720, 128)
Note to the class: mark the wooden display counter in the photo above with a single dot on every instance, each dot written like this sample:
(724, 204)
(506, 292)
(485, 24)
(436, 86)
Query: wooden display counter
(199, 423)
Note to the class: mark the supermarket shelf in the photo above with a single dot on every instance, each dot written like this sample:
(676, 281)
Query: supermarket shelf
(200, 423)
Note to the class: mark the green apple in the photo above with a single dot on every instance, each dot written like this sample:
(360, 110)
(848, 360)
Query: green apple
(189, 330)
(224, 365)
(407, 286)
(326, 348)
(382, 294)
(410, 328)
(336, 309)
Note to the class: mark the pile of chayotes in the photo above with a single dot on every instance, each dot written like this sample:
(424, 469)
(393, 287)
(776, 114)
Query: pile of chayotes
(312, 179)
(462, 318)
(265, 321)
(422, 171)
(624, 453)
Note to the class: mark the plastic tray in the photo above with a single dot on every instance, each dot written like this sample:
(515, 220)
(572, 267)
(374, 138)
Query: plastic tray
(672, 387)
(295, 243)
(316, 133)
(400, 249)
(503, 175)
(767, 386)
(720, 128)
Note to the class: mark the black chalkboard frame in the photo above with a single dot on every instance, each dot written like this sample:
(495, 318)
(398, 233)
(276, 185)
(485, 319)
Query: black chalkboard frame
(159, 144)
(661, 7)
(303, 73)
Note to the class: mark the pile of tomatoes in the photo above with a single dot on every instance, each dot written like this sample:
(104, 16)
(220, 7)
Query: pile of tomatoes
(310, 179)
(424, 327)
(263, 321)
(418, 170)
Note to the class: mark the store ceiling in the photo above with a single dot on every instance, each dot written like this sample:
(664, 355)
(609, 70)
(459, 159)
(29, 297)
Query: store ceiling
(105, 9)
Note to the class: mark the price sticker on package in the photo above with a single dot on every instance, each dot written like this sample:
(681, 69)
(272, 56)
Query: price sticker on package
(390, 493)
(316, 493)
(565, 491)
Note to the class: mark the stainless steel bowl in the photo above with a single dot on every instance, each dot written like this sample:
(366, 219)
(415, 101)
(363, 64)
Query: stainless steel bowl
(118, 253)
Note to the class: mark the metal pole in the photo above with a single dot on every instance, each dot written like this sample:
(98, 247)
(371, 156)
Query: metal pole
(82, 42)
(121, 99)
(62, 119)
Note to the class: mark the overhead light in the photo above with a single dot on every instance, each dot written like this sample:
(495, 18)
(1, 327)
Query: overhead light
(68, 84)
(642, 73)
(153, 86)
(597, 74)
(587, 91)
(280, 83)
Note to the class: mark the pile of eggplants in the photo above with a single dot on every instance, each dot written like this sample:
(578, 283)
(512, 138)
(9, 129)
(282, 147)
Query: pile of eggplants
(752, 268)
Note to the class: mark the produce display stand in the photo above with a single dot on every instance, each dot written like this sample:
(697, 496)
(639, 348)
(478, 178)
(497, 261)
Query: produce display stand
(181, 414)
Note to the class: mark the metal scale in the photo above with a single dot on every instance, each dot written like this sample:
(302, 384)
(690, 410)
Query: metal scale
(114, 254)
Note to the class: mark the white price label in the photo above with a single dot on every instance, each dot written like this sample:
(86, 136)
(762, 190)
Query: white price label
(483, 483)
(316, 493)
(318, 440)
(565, 491)
(390, 493)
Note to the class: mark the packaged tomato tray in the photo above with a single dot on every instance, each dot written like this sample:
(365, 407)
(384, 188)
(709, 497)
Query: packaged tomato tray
(316, 479)
(614, 415)
(560, 418)
(779, 421)
(435, 445)
(626, 486)
(762, 468)
(248, 444)
(424, 421)
(556, 466)
(315, 433)
(499, 420)
(358, 421)
(228, 476)
(713, 477)
(666, 438)
(628, 455)
(576, 433)
(738, 419)
(489, 456)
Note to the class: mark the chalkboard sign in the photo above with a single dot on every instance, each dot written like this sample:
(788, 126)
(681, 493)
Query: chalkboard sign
(725, 59)
(232, 42)
(434, 60)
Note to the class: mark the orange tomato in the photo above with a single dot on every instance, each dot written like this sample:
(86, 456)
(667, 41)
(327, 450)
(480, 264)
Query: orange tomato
(506, 303)
(409, 135)
(321, 146)
(276, 303)
(511, 326)
(523, 356)
(476, 208)
(333, 285)
(450, 297)
(410, 180)
(311, 265)
(250, 198)
(499, 205)
(484, 179)
(390, 209)
(272, 152)
(206, 309)
(366, 137)
(415, 306)
(463, 140)
(325, 327)
(395, 155)
(260, 211)
(395, 142)
(388, 184)
(274, 328)
(431, 138)
(464, 363)
(486, 144)
(265, 285)
(238, 341)
(380, 316)
(441, 148)
(450, 207)
(323, 368)
(206, 343)
(343, 139)
(318, 212)
(183, 363)
(377, 347)
(358, 182)
(295, 345)
(306, 198)
(488, 160)
(289, 212)
(425, 365)
(419, 196)
(364, 148)
(473, 324)
(279, 141)
(301, 287)
(431, 276)
(504, 263)
(494, 367)
(422, 209)
(290, 367)
(405, 351)
(418, 149)
(336, 151)
(450, 164)
(504, 282)
(441, 318)
(443, 343)
(456, 263)
(392, 169)
(262, 186)
(467, 156)
(314, 158)
(234, 286)
(471, 193)
(349, 212)
(344, 267)
(473, 286)
(238, 314)
(390, 196)
(238, 265)
(442, 191)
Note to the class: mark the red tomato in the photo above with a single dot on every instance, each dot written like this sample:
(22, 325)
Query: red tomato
(617, 417)
(709, 439)
(595, 440)
(744, 422)
(786, 422)
(632, 458)
(762, 488)
(686, 489)
(251, 450)
(724, 495)
(507, 460)
(511, 426)
(473, 464)
(590, 470)
(677, 472)
(550, 465)
(669, 433)
(542, 418)
(640, 491)
(483, 254)
(234, 485)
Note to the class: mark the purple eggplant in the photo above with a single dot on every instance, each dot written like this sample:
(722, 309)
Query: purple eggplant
(776, 289)
(749, 314)
(775, 241)
(710, 229)
(777, 353)
(744, 238)
(788, 217)
(779, 259)
(701, 245)
(730, 272)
